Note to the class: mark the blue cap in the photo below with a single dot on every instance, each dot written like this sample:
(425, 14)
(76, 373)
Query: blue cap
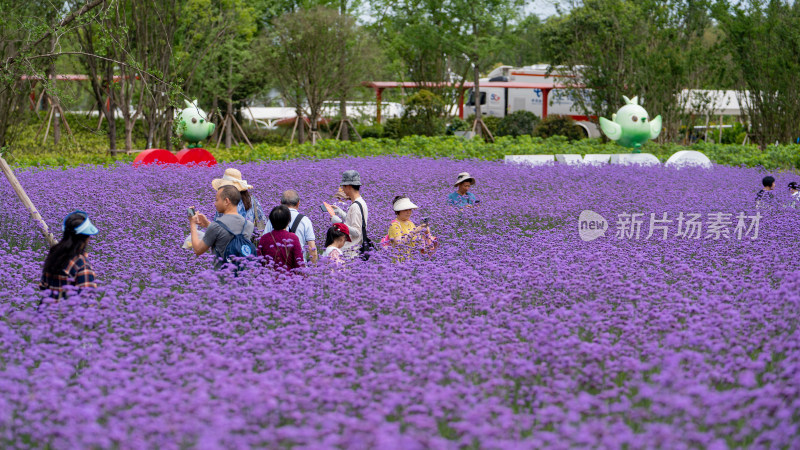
(87, 228)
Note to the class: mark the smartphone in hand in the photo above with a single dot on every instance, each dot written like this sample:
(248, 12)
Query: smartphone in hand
(190, 211)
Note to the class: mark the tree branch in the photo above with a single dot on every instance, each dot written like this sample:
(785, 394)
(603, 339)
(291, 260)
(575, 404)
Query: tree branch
(66, 21)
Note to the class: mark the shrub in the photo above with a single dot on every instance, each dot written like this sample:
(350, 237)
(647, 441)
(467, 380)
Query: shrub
(372, 131)
(492, 123)
(457, 124)
(557, 125)
(518, 123)
(392, 128)
(423, 115)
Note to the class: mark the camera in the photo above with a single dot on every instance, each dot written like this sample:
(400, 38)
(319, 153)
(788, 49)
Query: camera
(191, 211)
(426, 220)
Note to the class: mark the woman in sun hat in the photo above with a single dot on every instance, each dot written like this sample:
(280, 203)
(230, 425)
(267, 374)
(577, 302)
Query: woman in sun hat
(462, 196)
(249, 207)
(402, 231)
(67, 263)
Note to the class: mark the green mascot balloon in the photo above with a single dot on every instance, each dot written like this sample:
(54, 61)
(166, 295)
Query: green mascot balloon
(192, 125)
(629, 126)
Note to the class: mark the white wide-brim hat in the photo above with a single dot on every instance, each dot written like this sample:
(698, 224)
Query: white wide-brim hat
(464, 176)
(403, 204)
(232, 177)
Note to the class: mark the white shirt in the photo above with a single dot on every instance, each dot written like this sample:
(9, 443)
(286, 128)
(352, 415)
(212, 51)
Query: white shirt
(353, 221)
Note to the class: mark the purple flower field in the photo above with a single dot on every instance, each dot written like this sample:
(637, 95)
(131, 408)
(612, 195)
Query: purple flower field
(516, 333)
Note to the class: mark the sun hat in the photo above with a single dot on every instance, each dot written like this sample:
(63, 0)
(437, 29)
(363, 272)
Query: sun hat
(232, 177)
(464, 176)
(344, 229)
(403, 204)
(87, 228)
(350, 178)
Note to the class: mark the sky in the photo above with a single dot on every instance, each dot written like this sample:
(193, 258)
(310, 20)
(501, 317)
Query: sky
(542, 8)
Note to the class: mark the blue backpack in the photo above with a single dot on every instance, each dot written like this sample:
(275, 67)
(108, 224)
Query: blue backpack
(239, 247)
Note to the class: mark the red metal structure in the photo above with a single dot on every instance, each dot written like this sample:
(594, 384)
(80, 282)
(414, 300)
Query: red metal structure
(379, 86)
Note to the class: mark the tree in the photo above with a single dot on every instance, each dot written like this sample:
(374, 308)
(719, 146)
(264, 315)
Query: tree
(27, 51)
(415, 34)
(310, 51)
(480, 26)
(520, 46)
(763, 41)
(621, 47)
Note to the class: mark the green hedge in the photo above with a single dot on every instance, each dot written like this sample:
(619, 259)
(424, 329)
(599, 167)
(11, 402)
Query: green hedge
(785, 157)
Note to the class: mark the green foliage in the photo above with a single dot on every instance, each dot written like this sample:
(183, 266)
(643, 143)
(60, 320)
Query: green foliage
(423, 115)
(733, 135)
(646, 48)
(492, 123)
(89, 145)
(372, 131)
(767, 66)
(518, 123)
(392, 128)
(457, 124)
(781, 157)
(557, 125)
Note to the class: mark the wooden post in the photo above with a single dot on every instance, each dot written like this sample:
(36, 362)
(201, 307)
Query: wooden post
(378, 92)
(23, 197)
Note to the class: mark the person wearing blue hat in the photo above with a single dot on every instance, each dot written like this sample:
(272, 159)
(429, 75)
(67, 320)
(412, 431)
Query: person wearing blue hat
(67, 263)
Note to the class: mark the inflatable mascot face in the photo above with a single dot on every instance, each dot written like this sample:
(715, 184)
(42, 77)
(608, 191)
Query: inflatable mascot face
(192, 124)
(630, 127)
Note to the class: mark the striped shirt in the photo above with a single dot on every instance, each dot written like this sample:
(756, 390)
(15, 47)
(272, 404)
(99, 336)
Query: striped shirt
(78, 273)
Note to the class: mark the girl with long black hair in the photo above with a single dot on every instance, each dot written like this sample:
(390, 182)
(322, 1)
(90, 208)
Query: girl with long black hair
(67, 263)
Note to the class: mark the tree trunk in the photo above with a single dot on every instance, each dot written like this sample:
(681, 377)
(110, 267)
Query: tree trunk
(51, 100)
(111, 113)
(345, 129)
(301, 126)
(313, 120)
(215, 112)
(170, 120)
(477, 97)
(229, 120)
(129, 124)
(229, 115)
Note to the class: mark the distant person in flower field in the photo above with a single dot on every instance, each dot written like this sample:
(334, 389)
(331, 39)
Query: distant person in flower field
(794, 188)
(279, 247)
(462, 197)
(338, 235)
(299, 225)
(402, 230)
(248, 207)
(767, 194)
(357, 214)
(67, 263)
(224, 229)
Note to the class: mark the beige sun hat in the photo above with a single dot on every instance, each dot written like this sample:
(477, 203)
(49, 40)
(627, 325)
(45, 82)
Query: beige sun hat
(232, 177)
(464, 176)
(403, 204)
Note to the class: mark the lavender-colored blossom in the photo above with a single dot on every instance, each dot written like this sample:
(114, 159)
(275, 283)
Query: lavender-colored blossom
(515, 333)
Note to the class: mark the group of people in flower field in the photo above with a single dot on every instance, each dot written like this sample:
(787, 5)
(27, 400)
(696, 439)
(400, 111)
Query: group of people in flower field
(283, 239)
